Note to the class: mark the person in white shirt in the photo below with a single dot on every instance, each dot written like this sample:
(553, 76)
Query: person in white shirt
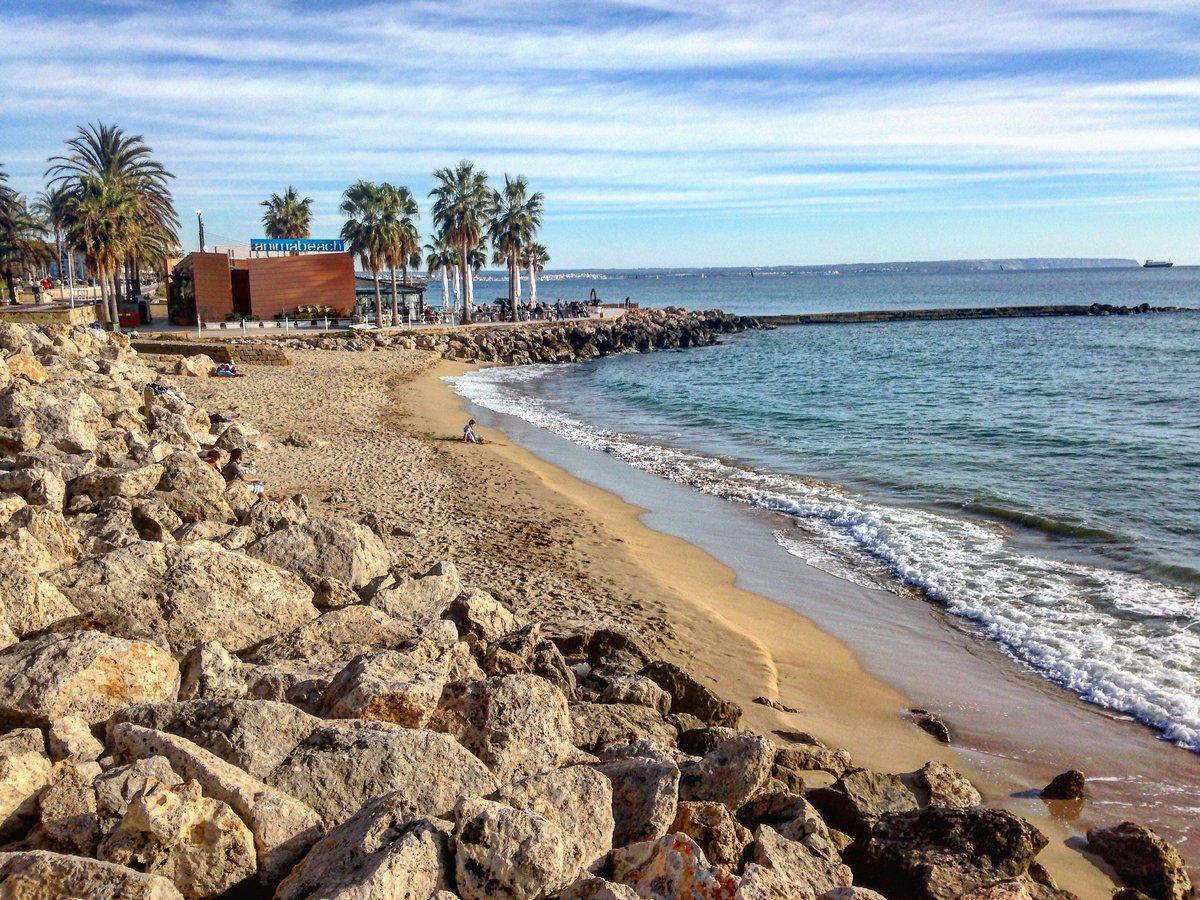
(469, 434)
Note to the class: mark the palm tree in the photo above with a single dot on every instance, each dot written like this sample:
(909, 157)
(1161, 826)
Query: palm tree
(21, 245)
(287, 216)
(535, 258)
(441, 257)
(102, 219)
(461, 207)
(366, 232)
(126, 165)
(403, 240)
(516, 217)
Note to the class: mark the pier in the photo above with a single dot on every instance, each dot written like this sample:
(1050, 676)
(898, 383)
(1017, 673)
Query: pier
(965, 312)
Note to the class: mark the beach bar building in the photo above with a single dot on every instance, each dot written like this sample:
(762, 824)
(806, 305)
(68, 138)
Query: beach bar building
(219, 286)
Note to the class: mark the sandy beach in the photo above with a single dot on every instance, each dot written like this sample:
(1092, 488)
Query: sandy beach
(564, 552)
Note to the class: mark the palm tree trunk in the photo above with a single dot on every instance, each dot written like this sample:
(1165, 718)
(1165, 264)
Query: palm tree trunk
(11, 282)
(104, 317)
(532, 284)
(114, 302)
(395, 305)
(408, 303)
(378, 300)
(457, 284)
(135, 290)
(445, 287)
(467, 293)
(516, 267)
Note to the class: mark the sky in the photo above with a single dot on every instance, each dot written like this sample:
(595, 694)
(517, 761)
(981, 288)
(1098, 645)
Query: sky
(662, 132)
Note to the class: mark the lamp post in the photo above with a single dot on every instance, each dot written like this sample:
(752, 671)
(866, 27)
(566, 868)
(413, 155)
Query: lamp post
(200, 221)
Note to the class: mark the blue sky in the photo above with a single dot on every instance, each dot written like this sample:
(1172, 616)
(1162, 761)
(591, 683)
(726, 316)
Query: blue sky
(662, 132)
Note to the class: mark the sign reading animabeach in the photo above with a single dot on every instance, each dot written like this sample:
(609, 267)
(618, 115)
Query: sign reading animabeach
(298, 245)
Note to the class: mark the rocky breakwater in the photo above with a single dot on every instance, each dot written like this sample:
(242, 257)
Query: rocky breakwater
(205, 693)
(550, 342)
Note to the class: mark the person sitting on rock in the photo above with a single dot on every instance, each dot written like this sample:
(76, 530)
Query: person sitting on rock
(469, 434)
(237, 470)
(212, 457)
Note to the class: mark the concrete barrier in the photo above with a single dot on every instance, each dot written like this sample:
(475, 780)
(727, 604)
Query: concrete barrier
(244, 354)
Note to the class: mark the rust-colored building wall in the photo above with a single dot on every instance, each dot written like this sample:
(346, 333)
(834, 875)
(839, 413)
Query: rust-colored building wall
(213, 287)
(281, 284)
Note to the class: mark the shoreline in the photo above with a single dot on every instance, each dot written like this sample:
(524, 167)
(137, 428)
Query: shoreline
(757, 645)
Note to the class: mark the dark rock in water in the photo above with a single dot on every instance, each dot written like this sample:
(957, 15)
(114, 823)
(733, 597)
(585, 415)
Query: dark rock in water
(1067, 786)
(939, 853)
(1143, 860)
(931, 724)
(855, 801)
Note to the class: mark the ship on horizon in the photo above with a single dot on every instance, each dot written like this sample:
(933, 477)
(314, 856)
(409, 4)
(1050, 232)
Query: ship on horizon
(1157, 264)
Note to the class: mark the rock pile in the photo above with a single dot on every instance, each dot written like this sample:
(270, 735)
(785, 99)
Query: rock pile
(202, 692)
(547, 342)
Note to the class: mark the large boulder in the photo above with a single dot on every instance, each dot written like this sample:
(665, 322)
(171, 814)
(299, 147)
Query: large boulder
(854, 802)
(672, 866)
(254, 735)
(341, 765)
(731, 773)
(638, 690)
(419, 600)
(87, 674)
(597, 725)
(794, 818)
(283, 827)
(105, 483)
(36, 485)
(117, 787)
(503, 853)
(526, 651)
(24, 773)
(808, 754)
(517, 724)
(194, 490)
(593, 888)
(717, 833)
(380, 851)
(938, 853)
(29, 602)
(797, 863)
(645, 795)
(197, 842)
(388, 686)
(936, 784)
(41, 540)
(1143, 860)
(188, 593)
(70, 738)
(65, 417)
(68, 821)
(481, 618)
(691, 697)
(334, 638)
(326, 548)
(577, 799)
(37, 874)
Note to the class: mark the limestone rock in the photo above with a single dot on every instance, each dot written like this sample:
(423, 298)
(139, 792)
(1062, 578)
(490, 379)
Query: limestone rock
(116, 788)
(254, 735)
(1069, 785)
(24, 772)
(70, 738)
(334, 638)
(480, 617)
(937, 853)
(388, 686)
(577, 799)
(852, 893)
(38, 874)
(855, 801)
(1142, 859)
(273, 515)
(65, 417)
(44, 540)
(761, 883)
(809, 754)
(526, 651)
(517, 724)
(86, 674)
(645, 796)
(794, 818)
(638, 690)
(797, 863)
(597, 725)
(29, 602)
(503, 853)
(936, 784)
(380, 851)
(714, 830)
(67, 815)
(593, 888)
(193, 489)
(931, 725)
(199, 365)
(672, 866)
(198, 843)
(283, 827)
(329, 548)
(23, 364)
(701, 741)
(189, 593)
(340, 766)
(36, 485)
(731, 774)
(104, 483)
(690, 696)
(419, 600)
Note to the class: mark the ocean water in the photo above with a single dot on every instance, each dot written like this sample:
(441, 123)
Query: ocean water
(1037, 478)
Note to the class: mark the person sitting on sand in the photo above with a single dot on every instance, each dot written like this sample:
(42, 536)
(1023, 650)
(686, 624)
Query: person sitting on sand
(212, 457)
(225, 370)
(237, 470)
(469, 434)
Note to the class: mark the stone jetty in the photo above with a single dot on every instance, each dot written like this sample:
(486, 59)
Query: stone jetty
(946, 313)
(207, 693)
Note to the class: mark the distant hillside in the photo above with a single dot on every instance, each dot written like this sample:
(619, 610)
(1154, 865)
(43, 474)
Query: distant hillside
(976, 265)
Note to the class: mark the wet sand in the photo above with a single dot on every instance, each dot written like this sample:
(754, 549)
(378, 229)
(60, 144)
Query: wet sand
(565, 551)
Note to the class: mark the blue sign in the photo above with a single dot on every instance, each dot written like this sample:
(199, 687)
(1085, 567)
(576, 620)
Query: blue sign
(298, 245)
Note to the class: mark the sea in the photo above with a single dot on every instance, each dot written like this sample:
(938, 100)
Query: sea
(1036, 479)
